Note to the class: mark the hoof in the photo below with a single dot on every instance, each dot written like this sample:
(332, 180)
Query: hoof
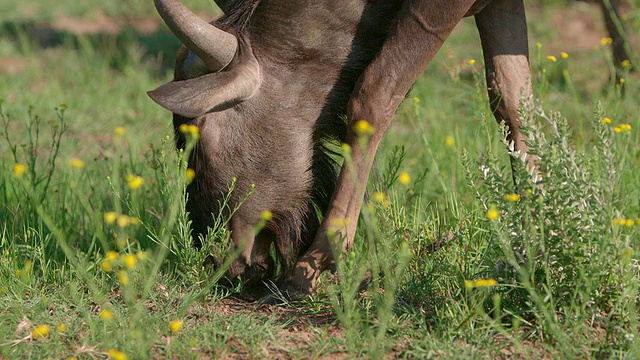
(284, 295)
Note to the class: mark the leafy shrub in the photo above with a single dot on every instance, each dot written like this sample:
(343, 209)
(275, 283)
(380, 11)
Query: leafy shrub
(561, 241)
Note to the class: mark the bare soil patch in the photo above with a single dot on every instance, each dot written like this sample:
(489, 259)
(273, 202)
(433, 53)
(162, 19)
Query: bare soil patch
(579, 27)
(300, 329)
(12, 65)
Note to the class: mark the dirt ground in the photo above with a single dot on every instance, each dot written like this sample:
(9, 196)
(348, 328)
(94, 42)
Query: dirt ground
(298, 332)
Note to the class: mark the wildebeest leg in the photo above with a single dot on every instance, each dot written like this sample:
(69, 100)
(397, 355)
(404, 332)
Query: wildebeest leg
(503, 32)
(611, 11)
(421, 28)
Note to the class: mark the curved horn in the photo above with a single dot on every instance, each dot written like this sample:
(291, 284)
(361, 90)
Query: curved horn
(214, 46)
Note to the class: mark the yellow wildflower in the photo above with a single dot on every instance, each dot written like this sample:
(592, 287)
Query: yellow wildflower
(106, 265)
(605, 120)
(564, 55)
(119, 131)
(404, 178)
(266, 215)
(619, 221)
(449, 141)
(471, 62)
(492, 214)
(175, 326)
(111, 255)
(129, 261)
(192, 130)
(106, 314)
(539, 45)
(486, 282)
(606, 40)
(123, 278)
(480, 283)
(622, 128)
(626, 63)
(40, 331)
(362, 127)
(629, 222)
(123, 221)
(621, 81)
(134, 181)
(379, 197)
(116, 354)
(62, 328)
(110, 217)
(19, 169)
(552, 58)
(345, 148)
(76, 163)
(512, 197)
(416, 99)
(190, 174)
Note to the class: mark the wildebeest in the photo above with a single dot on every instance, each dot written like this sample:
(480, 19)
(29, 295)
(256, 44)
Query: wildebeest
(269, 85)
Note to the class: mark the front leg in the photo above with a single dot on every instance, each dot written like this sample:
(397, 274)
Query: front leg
(503, 33)
(420, 30)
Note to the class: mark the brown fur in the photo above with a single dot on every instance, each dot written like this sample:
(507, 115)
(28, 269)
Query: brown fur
(320, 63)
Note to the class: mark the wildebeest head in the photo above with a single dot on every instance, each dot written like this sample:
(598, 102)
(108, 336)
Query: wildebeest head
(267, 85)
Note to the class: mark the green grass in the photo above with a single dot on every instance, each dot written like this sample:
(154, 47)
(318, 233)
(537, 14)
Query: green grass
(564, 257)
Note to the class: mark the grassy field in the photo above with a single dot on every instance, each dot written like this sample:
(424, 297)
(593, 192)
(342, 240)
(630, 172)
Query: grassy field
(95, 255)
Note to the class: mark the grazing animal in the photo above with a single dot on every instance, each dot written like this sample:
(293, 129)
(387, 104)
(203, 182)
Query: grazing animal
(269, 86)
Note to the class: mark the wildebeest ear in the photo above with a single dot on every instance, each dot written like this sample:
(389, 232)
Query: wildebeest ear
(211, 92)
